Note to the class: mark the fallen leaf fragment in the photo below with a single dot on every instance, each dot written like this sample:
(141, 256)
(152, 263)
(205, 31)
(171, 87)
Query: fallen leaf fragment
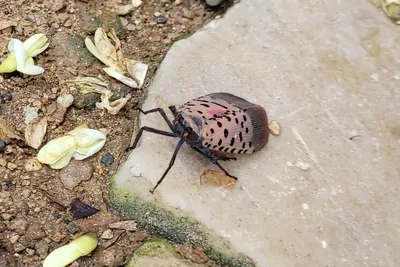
(274, 128)
(81, 210)
(125, 225)
(7, 130)
(5, 23)
(35, 132)
(216, 178)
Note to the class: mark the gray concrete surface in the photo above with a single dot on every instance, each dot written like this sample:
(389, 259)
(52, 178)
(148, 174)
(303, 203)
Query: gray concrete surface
(329, 73)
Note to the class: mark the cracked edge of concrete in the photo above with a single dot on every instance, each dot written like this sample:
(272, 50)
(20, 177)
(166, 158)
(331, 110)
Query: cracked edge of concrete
(174, 225)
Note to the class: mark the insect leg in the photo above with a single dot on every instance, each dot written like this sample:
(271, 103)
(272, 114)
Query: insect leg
(171, 163)
(152, 130)
(214, 159)
(162, 113)
(225, 171)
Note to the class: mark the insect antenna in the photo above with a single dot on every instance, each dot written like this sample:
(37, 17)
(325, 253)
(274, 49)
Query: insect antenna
(171, 163)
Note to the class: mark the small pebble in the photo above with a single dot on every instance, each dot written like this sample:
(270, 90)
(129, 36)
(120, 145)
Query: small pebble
(6, 216)
(72, 228)
(157, 14)
(33, 165)
(6, 97)
(160, 20)
(2, 146)
(18, 247)
(10, 185)
(65, 100)
(13, 238)
(11, 166)
(108, 234)
(30, 251)
(107, 159)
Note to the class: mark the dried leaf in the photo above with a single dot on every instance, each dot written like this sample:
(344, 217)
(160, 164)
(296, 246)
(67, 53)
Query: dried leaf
(81, 210)
(7, 130)
(274, 128)
(216, 178)
(5, 23)
(35, 132)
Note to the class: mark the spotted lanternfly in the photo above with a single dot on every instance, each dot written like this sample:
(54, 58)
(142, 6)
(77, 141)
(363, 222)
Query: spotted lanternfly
(218, 122)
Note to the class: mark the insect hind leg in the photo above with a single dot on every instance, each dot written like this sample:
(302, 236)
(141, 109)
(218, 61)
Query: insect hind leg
(226, 158)
(214, 159)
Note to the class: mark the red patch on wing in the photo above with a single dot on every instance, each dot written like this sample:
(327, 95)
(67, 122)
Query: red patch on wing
(215, 111)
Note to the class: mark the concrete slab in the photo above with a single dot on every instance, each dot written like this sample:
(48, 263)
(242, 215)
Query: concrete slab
(329, 73)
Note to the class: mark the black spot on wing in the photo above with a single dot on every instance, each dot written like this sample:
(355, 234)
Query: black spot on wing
(233, 150)
(236, 120)
(205, 105)
(219, 124)
(240, 137)
(218, 104)
(232, 141)
(226, 133)
(220, 142)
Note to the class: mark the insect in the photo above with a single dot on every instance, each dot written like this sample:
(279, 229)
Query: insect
(217, 122)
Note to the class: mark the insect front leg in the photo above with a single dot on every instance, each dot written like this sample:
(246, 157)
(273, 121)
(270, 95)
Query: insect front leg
(162, 113)
(152, 130)
(171, 163)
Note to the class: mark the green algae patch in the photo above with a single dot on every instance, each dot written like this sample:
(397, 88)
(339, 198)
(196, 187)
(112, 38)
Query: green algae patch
(159, 252)
(174, 225)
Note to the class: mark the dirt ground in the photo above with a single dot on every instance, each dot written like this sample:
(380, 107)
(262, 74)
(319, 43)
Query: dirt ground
(38, 209)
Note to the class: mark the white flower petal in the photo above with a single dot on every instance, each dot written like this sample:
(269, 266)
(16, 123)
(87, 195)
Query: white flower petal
(57, 148)
(120, 77)
(61, 163)
(87, 137)
(38, 51)
(18, 48)
(94, 149)
(31, 70)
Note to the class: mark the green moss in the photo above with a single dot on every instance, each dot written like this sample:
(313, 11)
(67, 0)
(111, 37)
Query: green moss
(159, 250)
(174, 225)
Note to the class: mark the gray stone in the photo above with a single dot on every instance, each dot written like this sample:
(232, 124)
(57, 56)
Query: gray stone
(322, 71)
(75, 173)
